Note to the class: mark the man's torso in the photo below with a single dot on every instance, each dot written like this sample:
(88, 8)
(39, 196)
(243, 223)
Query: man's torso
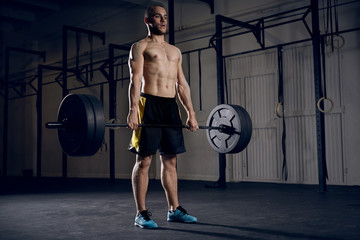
(160, 69)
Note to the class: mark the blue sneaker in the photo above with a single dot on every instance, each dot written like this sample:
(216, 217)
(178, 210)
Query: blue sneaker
(143, 220)
(180, 215)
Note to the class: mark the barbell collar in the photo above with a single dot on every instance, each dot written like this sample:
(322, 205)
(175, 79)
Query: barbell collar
(57, 125)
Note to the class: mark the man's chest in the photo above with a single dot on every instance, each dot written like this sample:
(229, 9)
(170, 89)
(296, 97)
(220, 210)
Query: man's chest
(160, 53)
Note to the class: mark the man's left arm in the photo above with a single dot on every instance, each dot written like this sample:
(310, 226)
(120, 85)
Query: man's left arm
(184, 94)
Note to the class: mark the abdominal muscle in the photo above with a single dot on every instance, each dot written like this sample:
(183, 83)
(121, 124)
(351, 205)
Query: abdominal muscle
(160, 78)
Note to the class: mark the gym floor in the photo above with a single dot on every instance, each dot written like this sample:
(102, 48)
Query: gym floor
(55, 208)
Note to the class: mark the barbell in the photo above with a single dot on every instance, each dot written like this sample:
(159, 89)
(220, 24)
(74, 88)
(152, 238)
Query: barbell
(81, 126)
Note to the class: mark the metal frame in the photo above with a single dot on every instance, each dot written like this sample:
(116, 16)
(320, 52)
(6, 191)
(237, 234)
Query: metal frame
(112, 103)
(258, 26)
(315, 38)
(64, 74)
(218, 37)
(39, 114)
(257, 30)
(320, 119)
(108, 63)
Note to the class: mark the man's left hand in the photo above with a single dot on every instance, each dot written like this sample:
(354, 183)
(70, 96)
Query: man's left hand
(192, 123)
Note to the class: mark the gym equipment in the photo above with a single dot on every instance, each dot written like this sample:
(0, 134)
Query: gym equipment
(81, 126)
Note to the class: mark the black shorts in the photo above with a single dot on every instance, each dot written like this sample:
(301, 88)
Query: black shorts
(146, 141)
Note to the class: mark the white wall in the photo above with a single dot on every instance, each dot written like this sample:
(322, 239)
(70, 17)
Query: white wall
(192, 19)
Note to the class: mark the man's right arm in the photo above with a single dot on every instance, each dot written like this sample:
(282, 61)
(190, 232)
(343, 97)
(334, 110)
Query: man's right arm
(136, 64)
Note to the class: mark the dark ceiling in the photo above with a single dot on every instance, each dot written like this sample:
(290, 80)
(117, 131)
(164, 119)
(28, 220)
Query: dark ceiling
(17, 14)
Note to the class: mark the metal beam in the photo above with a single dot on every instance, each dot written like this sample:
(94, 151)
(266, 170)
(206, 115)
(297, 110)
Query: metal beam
(257, 30)
(171, 22)
(39, 114)
(65, 90)
(320, 121)
(6, 112)
(64, 87)
(112, 104)
(112, 110)
(39, 121)
(220, 89)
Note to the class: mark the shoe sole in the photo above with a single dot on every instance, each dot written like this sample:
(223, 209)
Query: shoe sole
(169, 220)
(144, 227)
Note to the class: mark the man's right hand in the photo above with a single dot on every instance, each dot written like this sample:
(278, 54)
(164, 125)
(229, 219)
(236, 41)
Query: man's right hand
(192, 123)
(132, 120)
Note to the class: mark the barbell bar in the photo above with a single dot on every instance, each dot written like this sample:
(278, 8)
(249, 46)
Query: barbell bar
(81, 126)
(222, 128)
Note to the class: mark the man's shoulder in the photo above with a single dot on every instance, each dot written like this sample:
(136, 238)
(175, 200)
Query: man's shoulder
(172, 47)
(141, 43)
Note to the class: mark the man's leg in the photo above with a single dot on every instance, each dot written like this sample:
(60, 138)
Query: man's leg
(140, 181)
(169, 180)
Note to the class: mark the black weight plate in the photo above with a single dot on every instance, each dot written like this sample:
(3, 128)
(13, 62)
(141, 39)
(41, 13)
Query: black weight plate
(96, 135)
(235, 117)
(73, 111)
(87, 125)
(246, 129)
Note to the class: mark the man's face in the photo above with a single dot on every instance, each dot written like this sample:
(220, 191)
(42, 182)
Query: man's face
(157, 21)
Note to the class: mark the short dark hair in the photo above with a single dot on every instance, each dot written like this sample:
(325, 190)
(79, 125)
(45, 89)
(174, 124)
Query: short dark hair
(150, 9)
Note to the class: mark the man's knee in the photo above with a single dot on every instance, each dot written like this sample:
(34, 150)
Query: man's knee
(143, 162)
(168, 161)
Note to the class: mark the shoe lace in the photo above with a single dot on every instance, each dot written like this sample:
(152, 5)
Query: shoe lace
(146, 214)
(181, 209)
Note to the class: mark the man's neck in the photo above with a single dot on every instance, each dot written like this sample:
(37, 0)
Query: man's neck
(157, 38)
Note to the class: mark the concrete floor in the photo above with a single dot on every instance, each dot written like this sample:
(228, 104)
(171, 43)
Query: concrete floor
(97, 209)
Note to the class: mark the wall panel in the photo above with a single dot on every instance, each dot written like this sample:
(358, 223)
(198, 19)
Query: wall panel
(253, 82)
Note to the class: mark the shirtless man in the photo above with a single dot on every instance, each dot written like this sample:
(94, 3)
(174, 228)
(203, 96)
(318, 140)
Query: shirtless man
(155, 77)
